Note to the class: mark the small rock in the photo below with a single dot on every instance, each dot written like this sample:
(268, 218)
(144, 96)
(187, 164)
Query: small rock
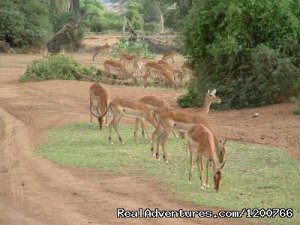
(257, 114)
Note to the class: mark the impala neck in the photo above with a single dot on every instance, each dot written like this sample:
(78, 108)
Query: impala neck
(205, 107)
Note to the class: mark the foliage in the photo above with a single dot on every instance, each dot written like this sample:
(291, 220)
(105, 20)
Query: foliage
(96, 19)
(139, 48)
(296, 100)
(248, 50)
(270, 171)
(24, 22)
(134, 15)
(58, 66)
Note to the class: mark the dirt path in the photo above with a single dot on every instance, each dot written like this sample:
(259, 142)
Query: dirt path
(36, 191)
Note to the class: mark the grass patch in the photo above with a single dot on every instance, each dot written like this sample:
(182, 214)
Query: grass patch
(254, 177)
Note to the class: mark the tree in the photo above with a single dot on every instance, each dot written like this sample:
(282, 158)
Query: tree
(134, 15)
(240, 48)
(24, 23)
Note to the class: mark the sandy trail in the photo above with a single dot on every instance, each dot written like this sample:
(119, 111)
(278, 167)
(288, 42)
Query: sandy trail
(36, 191)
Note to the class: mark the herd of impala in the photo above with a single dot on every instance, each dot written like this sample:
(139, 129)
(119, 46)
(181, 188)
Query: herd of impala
(201, 141)
(128, 67)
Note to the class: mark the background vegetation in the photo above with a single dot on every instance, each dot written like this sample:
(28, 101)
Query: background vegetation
(248, 50)
(254, 177)
(58, 67)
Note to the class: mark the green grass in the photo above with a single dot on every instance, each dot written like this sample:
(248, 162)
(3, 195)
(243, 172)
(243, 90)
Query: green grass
(254, 177)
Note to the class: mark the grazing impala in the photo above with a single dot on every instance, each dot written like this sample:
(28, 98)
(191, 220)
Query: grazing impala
(182, 122)
(161, 71)
(112, 66)
(173, 71)
(137, 110)
(202, 140)
(101, 95)
(127, 59)
(102, 49)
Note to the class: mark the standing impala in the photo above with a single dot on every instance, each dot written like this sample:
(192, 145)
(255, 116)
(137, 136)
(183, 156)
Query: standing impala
(102, 50)
(181, 121)
(202, 140)
(186, 69)
(160, 71)
(112, 66)
(101, 95)
(137, 110)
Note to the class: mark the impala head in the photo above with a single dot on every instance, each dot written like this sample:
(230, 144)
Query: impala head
(211, 96)
(100, 121)
(221, 150)
(218, 176)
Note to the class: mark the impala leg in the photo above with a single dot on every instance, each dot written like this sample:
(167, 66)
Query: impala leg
(163, 144)
(207, 163)
(143, 123)
(158, 141)
(91, 108)
(97, 109)
(115, 125)
(136, 129)
(200, 167)
(157, 130)
(188, 148)
(145, 77)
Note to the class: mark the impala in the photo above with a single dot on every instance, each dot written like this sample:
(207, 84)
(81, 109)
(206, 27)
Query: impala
(182, 122)
(101, 95)
(202, 140)
(102, 49)
(186, 69)
(43, 49)
(112, 66)
(173, 71)
(137, 110)
(169, 55)
(160, 71)
(127, 59)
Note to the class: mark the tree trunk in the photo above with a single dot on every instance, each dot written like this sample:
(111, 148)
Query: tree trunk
(75, 7)
(161, 21)
(124, 25)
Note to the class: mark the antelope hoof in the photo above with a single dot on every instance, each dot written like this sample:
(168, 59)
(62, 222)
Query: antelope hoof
(167, 161)
(91, 124)
(207, 185)
(202, 188)
(190, 182)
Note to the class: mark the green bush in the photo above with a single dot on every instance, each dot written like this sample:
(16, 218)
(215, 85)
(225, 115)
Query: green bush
(24, 23)
(97, 19)
(58, 67)
(248, 50)
(139, 48)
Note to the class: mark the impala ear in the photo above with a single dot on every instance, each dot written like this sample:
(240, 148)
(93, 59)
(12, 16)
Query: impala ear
(214, 91)
(208, 91)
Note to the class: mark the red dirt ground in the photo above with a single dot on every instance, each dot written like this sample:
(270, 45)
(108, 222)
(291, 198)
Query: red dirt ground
(36, 191)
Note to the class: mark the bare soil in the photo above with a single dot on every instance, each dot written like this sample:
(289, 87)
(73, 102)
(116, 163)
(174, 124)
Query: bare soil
(36, 191)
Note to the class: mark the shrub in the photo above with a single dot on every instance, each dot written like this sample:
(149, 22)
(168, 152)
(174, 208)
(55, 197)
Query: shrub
(139, 48)
(24, 22)
(59, 67)
(248, 50)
